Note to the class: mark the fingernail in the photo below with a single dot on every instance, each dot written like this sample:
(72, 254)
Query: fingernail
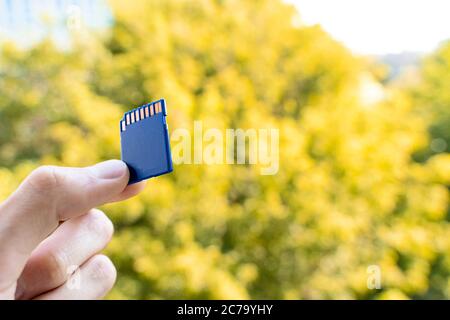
(111, 169)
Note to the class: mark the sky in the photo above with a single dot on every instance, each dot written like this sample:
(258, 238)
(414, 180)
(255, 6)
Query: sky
(364, 26)
(381, 26)
(28, 21)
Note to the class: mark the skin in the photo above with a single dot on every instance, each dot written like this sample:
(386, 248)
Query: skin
(50, 235)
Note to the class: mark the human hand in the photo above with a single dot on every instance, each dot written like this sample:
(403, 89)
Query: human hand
(48, 228)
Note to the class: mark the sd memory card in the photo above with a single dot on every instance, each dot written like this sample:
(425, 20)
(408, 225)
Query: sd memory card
(144, 138)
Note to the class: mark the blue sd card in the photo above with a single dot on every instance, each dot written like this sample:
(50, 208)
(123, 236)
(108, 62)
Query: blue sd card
(144, 137)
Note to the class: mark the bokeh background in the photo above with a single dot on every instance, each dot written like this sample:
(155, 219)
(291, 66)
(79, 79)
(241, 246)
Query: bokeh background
(364, 145)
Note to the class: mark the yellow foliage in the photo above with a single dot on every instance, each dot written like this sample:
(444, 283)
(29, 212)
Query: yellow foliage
(357, 183)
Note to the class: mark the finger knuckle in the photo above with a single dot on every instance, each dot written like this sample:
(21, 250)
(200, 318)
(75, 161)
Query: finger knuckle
(103, 272)
(44, 179)
(99, 224)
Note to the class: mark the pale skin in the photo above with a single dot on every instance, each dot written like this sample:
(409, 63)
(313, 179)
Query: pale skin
(51, 233)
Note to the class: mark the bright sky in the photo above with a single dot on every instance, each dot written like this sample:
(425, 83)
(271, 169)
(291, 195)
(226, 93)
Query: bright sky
(381, 26)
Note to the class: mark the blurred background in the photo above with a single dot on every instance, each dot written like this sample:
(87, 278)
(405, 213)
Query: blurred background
(360, 91)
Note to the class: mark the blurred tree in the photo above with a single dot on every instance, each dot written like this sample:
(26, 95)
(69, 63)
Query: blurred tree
(432, 97)
(348, 194)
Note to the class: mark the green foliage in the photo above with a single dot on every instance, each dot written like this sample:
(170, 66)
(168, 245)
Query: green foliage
(348, 194)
